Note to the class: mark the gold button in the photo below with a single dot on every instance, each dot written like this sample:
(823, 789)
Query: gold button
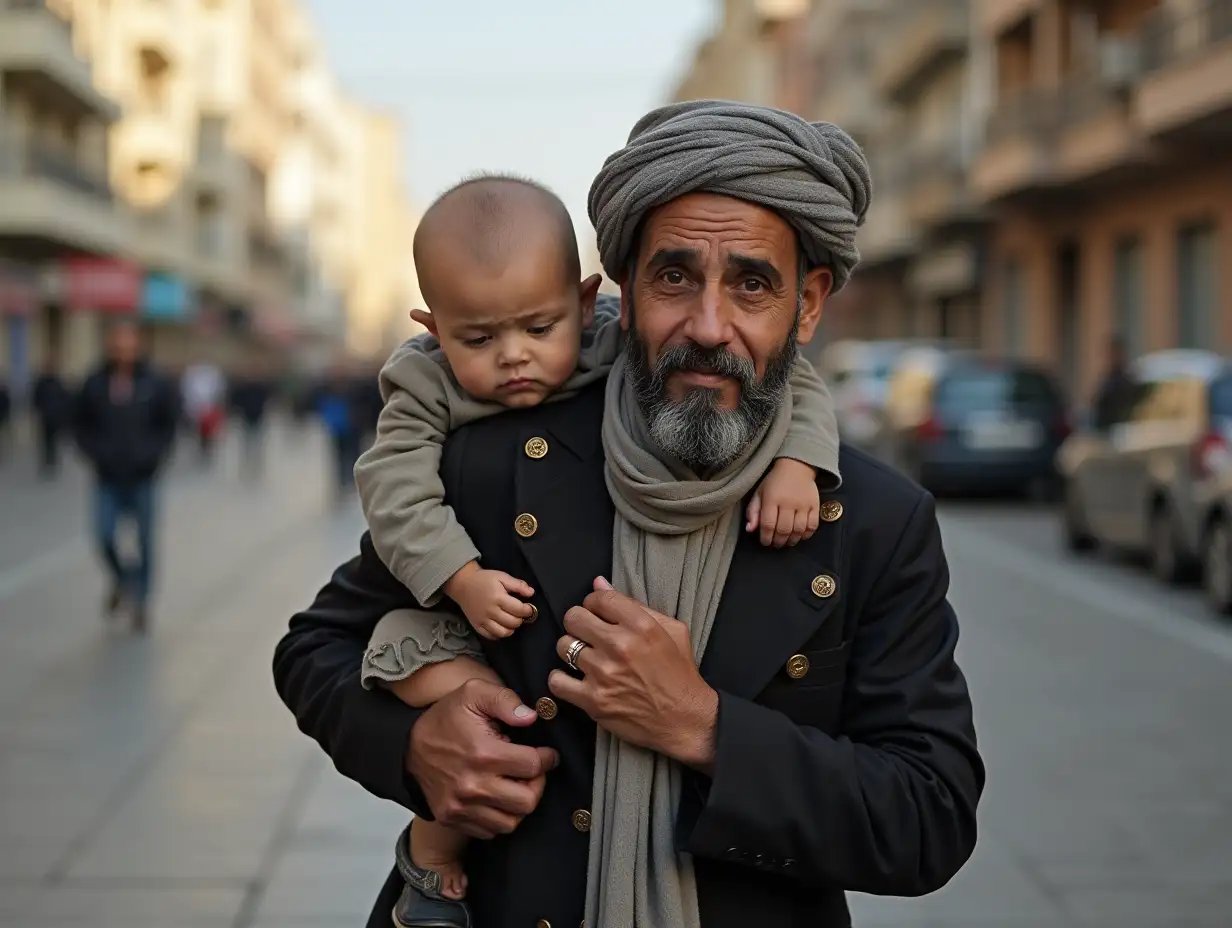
(526, 525)
(797, 666)
(831, 510)
(546, 707)
(824, 586)
(543, 923)
(581, 820)
(534, 614)
(536, 447)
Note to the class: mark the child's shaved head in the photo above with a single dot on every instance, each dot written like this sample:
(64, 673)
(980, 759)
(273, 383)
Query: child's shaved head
(490, 222)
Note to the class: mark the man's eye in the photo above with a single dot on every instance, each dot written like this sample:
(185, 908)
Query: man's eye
(753, 285)
(674, 278)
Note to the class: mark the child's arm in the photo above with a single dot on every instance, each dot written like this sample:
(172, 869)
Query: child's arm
(421, 656)
(414, 532)
(787, 505)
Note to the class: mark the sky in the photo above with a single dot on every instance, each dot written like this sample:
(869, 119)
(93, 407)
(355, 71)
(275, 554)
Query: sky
(541, 88)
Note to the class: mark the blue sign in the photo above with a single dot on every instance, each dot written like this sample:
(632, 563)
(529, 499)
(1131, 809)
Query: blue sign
(165, 296)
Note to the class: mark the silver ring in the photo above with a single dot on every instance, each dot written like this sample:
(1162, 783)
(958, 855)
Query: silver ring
(575, 649)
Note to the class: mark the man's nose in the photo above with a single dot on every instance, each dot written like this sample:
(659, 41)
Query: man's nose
(708, 323)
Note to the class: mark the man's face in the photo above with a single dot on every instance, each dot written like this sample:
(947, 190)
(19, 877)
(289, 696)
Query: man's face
(716, 304)
(124, 344)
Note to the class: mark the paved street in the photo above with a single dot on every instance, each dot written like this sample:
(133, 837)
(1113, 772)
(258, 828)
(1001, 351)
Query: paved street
(160, 783)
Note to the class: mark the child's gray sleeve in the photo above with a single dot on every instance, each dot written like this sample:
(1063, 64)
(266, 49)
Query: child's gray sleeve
(813, 434)
(407, 640)
(414, 532)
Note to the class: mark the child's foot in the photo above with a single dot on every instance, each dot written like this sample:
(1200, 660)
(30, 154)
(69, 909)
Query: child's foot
(424, 901)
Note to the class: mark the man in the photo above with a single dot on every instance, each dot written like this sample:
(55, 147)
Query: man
(823, 742)
(53, 405)
(204, 396)
(250, 395)
(125, 424)
(1115, 398)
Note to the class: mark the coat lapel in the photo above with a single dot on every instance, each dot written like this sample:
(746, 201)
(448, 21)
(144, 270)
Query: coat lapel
(559, 481)
(770, 608)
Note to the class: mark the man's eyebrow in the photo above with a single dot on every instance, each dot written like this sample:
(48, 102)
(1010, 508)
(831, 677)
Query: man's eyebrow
(668, 256)
(751, 265)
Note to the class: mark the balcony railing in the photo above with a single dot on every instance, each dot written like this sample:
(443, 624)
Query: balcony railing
(1169, 37)
(30, 158)
(1031, 112)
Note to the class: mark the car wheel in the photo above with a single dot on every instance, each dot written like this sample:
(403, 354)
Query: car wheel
(1166, 561)
(1077, 537)
(1217, 565)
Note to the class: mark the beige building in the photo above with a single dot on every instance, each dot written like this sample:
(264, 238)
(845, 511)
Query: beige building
(1106, 160)
(62, 230)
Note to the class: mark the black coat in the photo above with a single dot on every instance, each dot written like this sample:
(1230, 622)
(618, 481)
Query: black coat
(126, 442)
(859, 774)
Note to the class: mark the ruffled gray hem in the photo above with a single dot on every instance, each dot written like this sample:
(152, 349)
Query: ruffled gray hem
(407, 640)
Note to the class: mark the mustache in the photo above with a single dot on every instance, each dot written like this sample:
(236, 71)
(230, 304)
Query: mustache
(694, 358)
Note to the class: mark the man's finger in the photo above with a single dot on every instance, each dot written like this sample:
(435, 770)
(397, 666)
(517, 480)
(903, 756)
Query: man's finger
(584, 624)
(569, 689)
(585, 657)
(517, 761)
(497, 702)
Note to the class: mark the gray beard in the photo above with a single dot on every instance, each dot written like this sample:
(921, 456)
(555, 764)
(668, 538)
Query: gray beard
(695, 430)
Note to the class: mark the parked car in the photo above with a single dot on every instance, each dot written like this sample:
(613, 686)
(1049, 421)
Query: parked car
(1147, 480)
(1213, 496)
(986, 426)
(909, 397)
(858, 375)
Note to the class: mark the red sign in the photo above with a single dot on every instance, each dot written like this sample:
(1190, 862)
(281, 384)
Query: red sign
(19, 290)
(102, 284)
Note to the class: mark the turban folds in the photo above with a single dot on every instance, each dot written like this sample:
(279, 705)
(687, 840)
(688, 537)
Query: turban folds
(814, 175)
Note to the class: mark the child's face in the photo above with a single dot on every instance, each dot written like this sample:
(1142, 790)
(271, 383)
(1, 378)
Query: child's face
(513, 337)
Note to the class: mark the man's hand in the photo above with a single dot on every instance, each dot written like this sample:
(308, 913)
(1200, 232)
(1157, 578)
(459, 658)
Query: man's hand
(488, 599)
(641, 682)
(474, 779)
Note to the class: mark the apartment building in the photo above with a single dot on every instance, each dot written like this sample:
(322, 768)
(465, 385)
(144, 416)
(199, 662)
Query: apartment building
(63, 235)
(1106, 160)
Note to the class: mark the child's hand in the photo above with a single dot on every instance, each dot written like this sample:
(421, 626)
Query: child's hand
(786, 505)
(487, 599)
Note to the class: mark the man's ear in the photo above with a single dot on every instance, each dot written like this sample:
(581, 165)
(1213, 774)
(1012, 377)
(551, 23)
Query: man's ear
(424, 318)
(817, 286)
(588, 290)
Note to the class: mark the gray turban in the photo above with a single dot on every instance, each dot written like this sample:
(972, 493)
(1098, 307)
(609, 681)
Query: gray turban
(814, 175)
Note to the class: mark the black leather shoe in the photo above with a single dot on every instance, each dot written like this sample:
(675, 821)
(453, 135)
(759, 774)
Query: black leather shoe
(421, 904)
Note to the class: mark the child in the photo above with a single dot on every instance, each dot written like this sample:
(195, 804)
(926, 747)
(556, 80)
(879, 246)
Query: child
(512, 328)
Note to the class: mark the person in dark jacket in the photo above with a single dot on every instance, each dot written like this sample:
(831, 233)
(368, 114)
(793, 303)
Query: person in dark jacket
(125, 420)
(6, 412)
(824, 742)
(250, 395)
(53, 407)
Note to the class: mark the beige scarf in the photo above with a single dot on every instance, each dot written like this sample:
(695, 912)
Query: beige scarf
(673, 543)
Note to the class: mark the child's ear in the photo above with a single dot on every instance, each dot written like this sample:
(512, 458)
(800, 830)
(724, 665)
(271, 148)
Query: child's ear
(588, 290)
(424, 318)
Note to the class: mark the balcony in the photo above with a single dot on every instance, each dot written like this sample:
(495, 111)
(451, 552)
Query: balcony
(888, 234)
(934, 188)
(934, 33)
(1187, 87)
(148, 135)
(48, 196)
(999, 16)
(1096, 133)
(161, 238)
(36, 49)
(1019, 144)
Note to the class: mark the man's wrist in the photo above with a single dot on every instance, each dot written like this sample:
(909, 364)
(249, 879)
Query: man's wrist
(695, 746)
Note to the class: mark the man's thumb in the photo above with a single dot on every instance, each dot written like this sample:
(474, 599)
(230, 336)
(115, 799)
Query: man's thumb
(503, 704)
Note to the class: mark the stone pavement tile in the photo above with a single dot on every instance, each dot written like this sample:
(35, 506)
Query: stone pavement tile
(341, 813)
(73, 906)
(1150, 903)
(327, 881)
(992, 886)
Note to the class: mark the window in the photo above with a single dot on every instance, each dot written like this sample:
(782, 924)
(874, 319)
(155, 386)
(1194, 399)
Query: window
(1127, 294)
(1197, 289)
(1221, 398)
(989, 390)
(1013, 296)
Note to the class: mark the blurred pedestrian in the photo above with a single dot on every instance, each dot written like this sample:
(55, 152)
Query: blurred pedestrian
(250, 394)
(204, 389)
(125, 423)
(1116, 394)
(53, 408)
(342, 410)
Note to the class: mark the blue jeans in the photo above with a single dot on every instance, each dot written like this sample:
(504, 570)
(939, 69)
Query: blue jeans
(135, 501)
